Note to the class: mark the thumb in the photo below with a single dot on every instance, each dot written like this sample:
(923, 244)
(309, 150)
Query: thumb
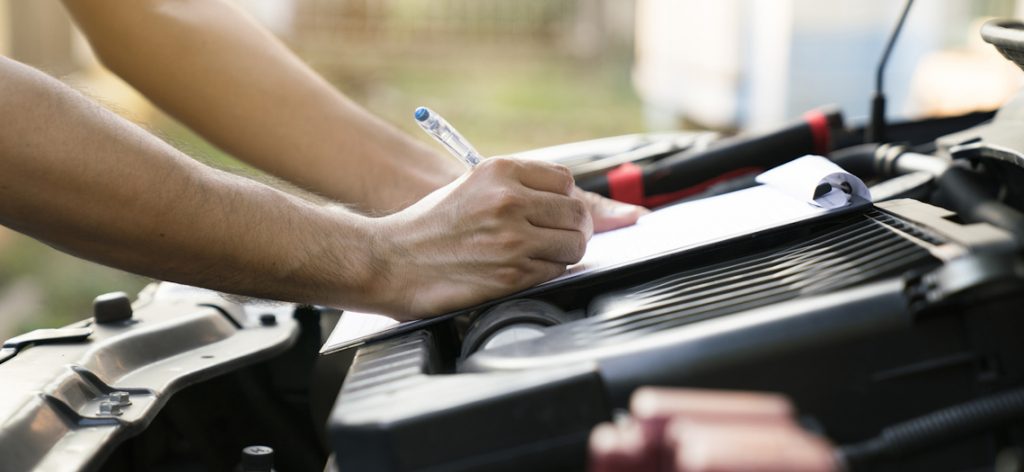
(610, 214)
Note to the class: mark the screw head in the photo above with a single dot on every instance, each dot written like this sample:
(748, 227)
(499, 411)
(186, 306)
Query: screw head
(108, 408)
(120, 398)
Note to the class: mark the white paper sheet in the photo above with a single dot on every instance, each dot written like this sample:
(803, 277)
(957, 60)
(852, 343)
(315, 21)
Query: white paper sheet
(353, 326)
(693, 224)
(802, 177)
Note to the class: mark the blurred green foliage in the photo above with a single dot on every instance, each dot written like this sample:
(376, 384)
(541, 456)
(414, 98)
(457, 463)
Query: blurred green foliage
(46, 288)
(507, 107)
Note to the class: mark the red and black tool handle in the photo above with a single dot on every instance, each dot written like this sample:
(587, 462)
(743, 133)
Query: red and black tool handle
(689, 173)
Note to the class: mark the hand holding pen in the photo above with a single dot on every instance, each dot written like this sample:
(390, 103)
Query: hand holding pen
(505, 225)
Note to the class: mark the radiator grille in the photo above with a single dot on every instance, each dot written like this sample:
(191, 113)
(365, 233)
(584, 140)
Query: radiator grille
(381, 368)
(860, 252)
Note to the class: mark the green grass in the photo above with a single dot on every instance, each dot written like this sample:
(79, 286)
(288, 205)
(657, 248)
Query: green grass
(64, 284)
(503, 107)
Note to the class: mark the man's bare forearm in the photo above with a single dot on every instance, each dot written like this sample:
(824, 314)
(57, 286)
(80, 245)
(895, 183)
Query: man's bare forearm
(227, 78)
(86, 181)
(89, 182)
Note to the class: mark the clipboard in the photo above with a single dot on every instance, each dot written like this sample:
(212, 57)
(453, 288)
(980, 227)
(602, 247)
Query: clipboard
(806, 189)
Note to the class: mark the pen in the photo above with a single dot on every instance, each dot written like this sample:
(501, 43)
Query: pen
(437, 127)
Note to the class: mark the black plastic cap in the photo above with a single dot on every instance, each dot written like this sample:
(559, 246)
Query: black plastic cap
(110, 308)
(257, 459)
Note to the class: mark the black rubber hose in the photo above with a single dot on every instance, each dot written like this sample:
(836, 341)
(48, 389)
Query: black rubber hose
(858, 160)
(964, 192)
(937, 428)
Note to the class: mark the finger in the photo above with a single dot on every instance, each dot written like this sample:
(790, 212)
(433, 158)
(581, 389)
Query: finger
(548, 210)
(545, 176)
(557, 245)
(608, 214)
(614, 215)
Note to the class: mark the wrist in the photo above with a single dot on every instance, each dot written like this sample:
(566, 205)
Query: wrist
(376, 283)
(384, 290)
(342, 268)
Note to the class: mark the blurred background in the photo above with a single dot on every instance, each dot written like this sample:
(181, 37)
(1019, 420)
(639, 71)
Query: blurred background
(520, 74)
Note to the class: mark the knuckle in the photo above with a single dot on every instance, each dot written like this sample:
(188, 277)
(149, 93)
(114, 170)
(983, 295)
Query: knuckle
(566, 176)
(501, 164)
(581, 248)
(571, 247)
(579, 212)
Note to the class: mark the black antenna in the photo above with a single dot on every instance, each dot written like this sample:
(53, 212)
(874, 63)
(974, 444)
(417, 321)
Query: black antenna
(875, 132)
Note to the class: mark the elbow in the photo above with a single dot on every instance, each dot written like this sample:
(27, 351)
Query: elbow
(117, 30)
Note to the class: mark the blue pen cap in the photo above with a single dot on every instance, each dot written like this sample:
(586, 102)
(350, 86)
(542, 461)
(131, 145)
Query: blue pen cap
(422, 114)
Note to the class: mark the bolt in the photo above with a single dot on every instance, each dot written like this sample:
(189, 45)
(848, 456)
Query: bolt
(268, 319)
(257, 459)
(112, 308)
(258, 450)
(110, 409)
(120, 398)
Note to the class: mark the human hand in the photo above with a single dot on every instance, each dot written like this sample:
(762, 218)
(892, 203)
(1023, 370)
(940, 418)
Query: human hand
(504, 226)
(609, 214)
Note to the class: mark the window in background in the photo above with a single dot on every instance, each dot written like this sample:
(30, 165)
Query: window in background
(749, 64)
